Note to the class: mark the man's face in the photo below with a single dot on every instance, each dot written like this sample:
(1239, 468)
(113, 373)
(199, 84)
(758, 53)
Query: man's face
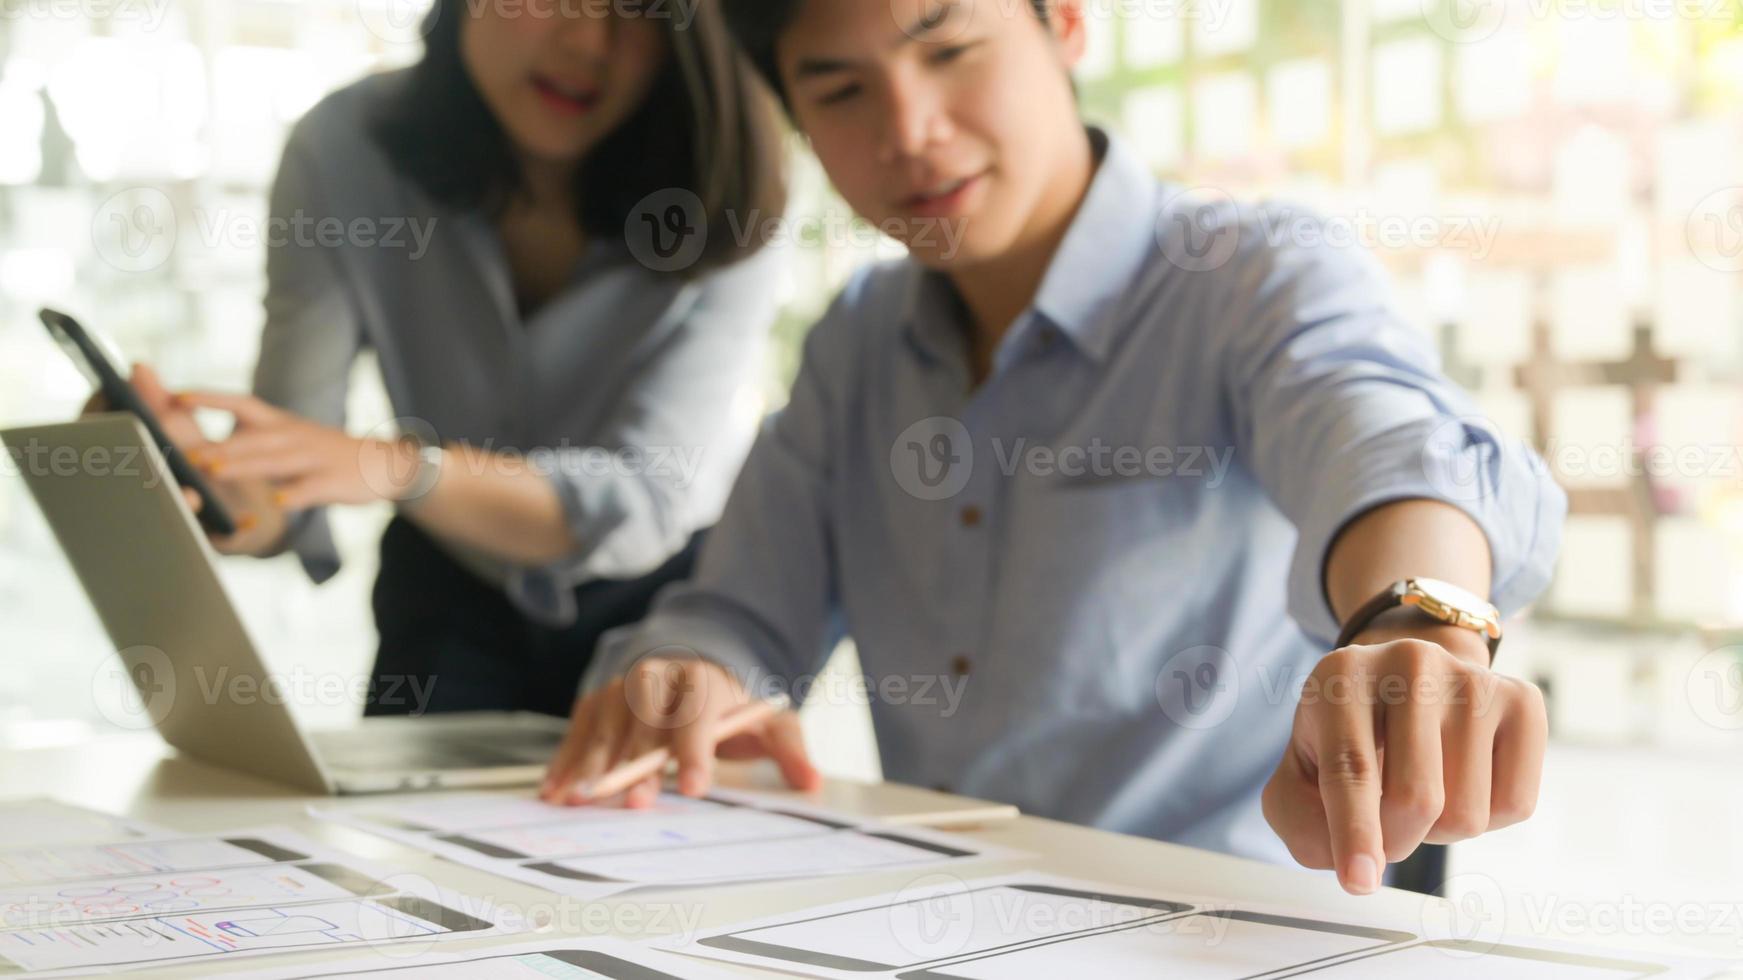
(930, 113)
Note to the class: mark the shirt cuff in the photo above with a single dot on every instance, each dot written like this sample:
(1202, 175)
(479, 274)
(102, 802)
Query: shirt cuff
(544, 595)
(624, 526)
(1504, 487)
(310, 536)
(676, 638)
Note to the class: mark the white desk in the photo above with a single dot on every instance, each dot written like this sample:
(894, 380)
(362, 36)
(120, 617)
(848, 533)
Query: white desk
(139, 777)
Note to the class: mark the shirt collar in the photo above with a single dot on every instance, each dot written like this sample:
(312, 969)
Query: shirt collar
(1109, 240)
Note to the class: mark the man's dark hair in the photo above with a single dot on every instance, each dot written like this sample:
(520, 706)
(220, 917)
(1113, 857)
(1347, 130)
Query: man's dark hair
(704, 126)
(759, 24)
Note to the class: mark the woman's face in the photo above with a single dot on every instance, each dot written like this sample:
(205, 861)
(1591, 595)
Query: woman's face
(560, 75)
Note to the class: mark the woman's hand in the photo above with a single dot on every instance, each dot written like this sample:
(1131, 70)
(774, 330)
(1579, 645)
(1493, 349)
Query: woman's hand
(260, 524)
(177, 419)
(305, 463)
(501, 504)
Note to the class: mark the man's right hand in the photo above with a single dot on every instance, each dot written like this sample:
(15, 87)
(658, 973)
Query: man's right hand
(676, 703)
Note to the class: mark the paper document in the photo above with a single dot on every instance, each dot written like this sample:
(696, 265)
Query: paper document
(1019, 927)
(593, 851)
(91, 908)
(39, 820)
(570, 959)
(73, 862)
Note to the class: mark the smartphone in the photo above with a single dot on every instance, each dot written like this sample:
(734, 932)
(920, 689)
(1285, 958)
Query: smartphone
(95, 365)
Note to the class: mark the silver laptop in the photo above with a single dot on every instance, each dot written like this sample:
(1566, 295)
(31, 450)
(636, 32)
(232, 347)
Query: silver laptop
(151, 574)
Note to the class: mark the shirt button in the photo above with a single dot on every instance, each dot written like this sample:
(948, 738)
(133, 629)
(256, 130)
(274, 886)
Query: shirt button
(971, 516)
(960, 664)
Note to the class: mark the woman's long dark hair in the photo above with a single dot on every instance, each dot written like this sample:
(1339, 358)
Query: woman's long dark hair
(706, 125)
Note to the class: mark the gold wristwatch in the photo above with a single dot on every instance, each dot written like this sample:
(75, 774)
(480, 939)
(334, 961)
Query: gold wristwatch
(1440, 600)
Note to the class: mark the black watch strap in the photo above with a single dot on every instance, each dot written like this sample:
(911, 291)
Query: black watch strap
(1369, 611)
(1389, 599)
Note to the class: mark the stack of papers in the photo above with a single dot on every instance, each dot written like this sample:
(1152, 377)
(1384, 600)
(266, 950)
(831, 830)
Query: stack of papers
(46, 821)
(1040, 927)
(150, 901)
(591, 852)
(570, 959)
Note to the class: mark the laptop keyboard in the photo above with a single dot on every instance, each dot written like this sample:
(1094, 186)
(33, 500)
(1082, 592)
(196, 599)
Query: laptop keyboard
(369, 750)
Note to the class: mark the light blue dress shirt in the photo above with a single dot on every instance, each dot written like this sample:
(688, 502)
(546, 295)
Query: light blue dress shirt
(1092, 585)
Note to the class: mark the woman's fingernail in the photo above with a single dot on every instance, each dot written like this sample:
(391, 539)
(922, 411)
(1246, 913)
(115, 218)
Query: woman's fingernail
(1363, 874)
(279, 497)
(246, 522)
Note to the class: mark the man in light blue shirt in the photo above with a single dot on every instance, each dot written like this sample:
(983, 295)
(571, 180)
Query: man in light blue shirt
(1095, 489)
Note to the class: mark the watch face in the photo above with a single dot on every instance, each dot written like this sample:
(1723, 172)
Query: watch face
(1448, 594)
